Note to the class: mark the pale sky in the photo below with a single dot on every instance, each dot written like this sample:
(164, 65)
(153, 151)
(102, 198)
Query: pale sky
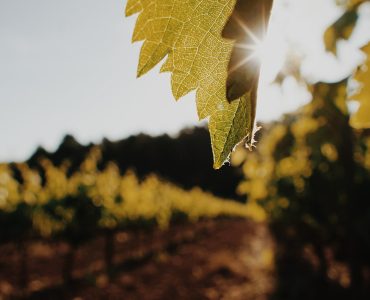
(69, 67)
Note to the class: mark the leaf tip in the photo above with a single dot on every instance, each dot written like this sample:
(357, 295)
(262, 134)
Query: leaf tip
(141, 70)
(219, 164)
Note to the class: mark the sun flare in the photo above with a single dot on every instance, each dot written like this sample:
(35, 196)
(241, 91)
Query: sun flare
(265, 48)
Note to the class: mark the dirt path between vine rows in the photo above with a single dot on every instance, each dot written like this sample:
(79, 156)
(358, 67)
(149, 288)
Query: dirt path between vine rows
(223, 259)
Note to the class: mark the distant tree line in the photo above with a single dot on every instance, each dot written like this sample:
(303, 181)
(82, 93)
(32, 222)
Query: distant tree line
(185, 160)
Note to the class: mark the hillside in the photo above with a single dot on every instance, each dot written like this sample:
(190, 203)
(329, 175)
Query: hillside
(185, 160)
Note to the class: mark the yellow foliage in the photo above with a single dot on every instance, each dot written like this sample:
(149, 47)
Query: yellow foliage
(267, 146)
(283, 202)
(329, 151)
(120, 198)
(31, 187)
(9, 189)
(56, 182)
(361, 119)
(341, 29)
(303, 126)
(155, 199)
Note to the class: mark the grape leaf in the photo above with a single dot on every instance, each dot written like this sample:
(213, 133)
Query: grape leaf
(361, 119)
(189, 34)
(247, 27)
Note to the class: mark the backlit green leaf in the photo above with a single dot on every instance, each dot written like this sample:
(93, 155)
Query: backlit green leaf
(188, 33)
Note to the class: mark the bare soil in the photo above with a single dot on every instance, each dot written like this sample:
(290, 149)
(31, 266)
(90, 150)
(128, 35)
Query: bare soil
(222, 259)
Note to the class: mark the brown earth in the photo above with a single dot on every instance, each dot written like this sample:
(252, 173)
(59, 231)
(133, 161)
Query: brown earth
(223, 259)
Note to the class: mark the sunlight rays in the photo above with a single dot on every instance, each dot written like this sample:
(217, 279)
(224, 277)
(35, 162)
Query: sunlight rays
(256, 49)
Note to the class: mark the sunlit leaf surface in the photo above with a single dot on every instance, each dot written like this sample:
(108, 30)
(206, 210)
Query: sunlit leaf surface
(188, 33)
